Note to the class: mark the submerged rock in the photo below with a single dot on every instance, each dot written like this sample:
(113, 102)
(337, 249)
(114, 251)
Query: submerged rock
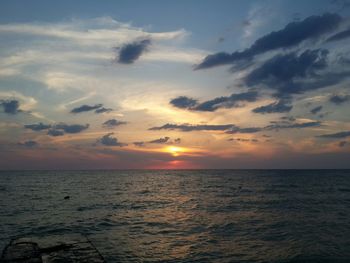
(49, 249)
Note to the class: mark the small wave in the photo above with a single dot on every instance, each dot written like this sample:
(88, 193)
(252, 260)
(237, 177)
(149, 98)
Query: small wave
(344, 189)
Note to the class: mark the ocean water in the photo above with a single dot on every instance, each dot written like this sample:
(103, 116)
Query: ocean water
(186, 216)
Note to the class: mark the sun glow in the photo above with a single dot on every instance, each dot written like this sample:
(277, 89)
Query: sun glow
(175, 150)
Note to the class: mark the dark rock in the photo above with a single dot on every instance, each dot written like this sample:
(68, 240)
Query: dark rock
(51, 249)
(22, 252)
(66, 197)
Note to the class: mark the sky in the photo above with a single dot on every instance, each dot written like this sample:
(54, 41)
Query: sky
(174, 84)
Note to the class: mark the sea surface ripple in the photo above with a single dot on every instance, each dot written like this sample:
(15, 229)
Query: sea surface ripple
(186, 215)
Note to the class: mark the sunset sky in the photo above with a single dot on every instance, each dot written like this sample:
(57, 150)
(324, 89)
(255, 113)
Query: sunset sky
(174, 84)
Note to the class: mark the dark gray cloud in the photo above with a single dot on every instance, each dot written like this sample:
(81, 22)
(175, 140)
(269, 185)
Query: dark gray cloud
(243, 140)
(113, 123)
(139, 144)
(103, 109)
(339, 99)
(130, 52)
(38, 126)
(164, 140)
(275, 107)
(227, 102)
(29, 144)
(183, 102)
(160, 140)
(71, 128)
(312, 83)
(190, 127)
(231, 101)
(280, 71)
(55, 132)
(339, 36)
(316, 110)
(293, 34)
(288, 118)
(223, 58)
(244, 130)
(108, 140)
(232, 129)
(10, 106)
(293, 125)
(84, 108)
(337, 135)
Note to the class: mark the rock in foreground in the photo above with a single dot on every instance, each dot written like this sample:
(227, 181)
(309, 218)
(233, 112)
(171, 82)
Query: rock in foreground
(49, 249)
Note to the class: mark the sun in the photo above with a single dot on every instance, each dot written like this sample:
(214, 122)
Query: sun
(174, 150)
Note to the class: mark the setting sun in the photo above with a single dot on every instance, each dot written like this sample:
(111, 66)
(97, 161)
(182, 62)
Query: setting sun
(174, 150)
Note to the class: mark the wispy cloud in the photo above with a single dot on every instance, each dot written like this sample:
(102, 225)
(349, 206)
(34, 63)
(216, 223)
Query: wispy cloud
(336, 135)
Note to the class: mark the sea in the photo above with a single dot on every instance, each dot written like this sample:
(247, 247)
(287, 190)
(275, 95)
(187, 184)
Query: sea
(185, 215)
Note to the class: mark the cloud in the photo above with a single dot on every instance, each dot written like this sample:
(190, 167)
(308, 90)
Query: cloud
(293, 34)
(288, 118)
(190, 127)
(311, 83)
(160, 140)
(84, 108)
(293, 125)
(113, 123)
(243, 140)
(130, 52)
(339, 99)
(108, 140)
(258, 16)
(71, 128)
(165, 140)
(10, 106)
(221, 58)
(244, 130)
(275, 107)
(183, 102)
(37, 127)
(100, 31)
(55, 132)
(232, 129)
(227, 102)
(139, 144)
(212, 105)
(280, 71)
(339, 36)
(98, 109)
(337, 135)
(103, 109)
(29, 144)
(316, 109)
